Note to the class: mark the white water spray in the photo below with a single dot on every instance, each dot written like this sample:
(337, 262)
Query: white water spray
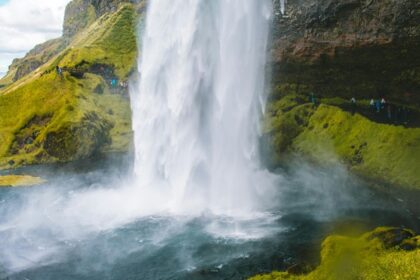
(196, 111)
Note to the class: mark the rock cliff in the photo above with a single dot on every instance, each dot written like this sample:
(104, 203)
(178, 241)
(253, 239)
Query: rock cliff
(326, 52)
(360, 48)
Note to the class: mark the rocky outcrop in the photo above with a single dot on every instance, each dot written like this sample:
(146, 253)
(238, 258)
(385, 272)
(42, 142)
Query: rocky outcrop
(81, 13)
(339, 49)
(47, 117)
(75, 141)
(361, 48)
(38, 56)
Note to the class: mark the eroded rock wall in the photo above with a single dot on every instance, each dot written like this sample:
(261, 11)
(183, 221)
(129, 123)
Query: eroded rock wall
(361, 48)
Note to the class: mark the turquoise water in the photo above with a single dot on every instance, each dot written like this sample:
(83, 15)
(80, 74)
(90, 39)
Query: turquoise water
(185, 247)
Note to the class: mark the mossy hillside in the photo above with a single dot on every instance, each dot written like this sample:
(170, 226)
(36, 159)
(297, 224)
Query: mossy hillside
(39, 55)
(72, 119)
(61, 120)
(384, 152)
(327, 134)
(111, 40)
(285, 119)
(385, 253)
(98, 44)
(79, 15)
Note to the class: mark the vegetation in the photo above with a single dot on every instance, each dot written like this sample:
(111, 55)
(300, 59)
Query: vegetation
(45, 117)
(39, 55)
(19, 181)
(385, 152)
(385, 253)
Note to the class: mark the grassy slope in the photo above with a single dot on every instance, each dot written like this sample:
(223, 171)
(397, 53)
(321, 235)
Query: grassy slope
(19, 181)
(41, 54)
(327, 134)
(384, 152)
(373, 256)
(42, 109)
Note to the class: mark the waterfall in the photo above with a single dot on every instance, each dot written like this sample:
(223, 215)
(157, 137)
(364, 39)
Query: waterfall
(196, 111)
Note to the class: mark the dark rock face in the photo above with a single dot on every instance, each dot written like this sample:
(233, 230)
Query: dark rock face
(78, 140)
(394, 237)
(80, 13)
(361, 48)
(107, 6)
(35, 58)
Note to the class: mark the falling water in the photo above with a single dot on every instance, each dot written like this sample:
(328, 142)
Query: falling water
(196, 111)
(196, 117)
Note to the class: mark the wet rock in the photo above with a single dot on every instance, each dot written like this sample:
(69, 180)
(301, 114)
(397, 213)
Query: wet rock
(299, 269)
(392, 237)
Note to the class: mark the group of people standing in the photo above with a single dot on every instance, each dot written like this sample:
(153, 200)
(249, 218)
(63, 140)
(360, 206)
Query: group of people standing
(118, 85)
(393, 113)
(379, 109)
(115, 85)
(386, 111)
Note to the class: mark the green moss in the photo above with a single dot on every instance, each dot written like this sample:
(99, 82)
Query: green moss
(111, 40)
(365, 257)
(19, 181)
(48, 118)
(386, 152)
(285, 119)
(79, 15)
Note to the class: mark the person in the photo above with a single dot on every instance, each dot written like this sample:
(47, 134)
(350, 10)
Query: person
(113, 82)
(378, 105)
(59, 70)
(353, 105)
(383, 102)
(312, 98)
(372, 105)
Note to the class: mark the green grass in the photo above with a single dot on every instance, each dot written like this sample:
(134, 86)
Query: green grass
(366, 257)
(327, 134)
(285, 119)
(110, 40)
(385, 152)
(45, 118)
(19, 181)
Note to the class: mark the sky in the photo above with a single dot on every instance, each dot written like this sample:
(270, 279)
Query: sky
(26, 23)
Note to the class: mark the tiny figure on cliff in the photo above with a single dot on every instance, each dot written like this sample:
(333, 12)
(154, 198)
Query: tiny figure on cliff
(59, 71)
(378, 105)
(114, 82)
(383, 102)
(372, 105)
(313, 99)
(353, 105)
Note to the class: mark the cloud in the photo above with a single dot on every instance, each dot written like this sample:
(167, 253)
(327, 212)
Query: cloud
(26, 23)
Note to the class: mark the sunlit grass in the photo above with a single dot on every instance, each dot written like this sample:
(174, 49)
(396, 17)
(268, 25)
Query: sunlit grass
(361, 258)
(19, 181)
